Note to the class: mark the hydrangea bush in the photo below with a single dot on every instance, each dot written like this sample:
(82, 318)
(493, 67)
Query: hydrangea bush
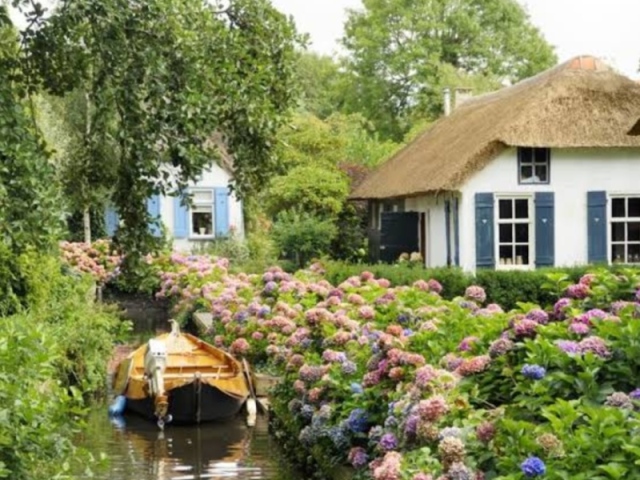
(97, 259)
(404, 385)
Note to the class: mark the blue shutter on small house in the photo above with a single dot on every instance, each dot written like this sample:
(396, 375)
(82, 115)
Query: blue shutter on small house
(180, 218)
(597, 227)
(545, 229)
(222, 211)
(485, 251)
(153, 208)
(111, 220)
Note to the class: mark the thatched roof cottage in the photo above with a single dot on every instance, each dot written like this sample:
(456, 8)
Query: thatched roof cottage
(542, 173)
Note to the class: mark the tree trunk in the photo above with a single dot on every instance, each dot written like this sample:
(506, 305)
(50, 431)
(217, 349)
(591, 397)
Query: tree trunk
(86, 213)
(86, 224)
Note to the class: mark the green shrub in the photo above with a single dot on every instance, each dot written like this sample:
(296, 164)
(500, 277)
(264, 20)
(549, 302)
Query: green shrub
(301, 236)
(505, 288)
(454, 281)
(52, 357)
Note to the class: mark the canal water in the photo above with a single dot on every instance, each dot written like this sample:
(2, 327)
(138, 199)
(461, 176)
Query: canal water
(135, 449)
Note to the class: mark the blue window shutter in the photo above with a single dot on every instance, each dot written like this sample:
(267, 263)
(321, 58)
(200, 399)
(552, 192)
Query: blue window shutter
(153, 208)
(180, 218)
(111, 220)
(222, 212)
(456, 231)
(545, 229)
(485, 241)
(597, 227)
(447, 229)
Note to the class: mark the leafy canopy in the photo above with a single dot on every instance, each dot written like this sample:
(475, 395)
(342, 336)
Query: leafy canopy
(398, 49)
(165, 77)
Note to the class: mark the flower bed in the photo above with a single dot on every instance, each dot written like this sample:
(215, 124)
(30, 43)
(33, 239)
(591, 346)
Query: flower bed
(403, 384)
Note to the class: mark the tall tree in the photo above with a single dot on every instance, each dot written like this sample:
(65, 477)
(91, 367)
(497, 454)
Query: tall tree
(161, 79)
(322, 84)
(397, 50)
(29, 201)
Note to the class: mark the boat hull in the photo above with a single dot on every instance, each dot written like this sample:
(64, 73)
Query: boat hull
(191, 404)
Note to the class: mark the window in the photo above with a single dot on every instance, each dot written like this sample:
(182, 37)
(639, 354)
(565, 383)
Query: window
(533, 165)
(515, 232)
(625, 229)
(201, 213)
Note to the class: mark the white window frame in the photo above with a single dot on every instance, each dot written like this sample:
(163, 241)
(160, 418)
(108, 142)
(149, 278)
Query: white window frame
(531, 221)
(195, 203)
(626, 219)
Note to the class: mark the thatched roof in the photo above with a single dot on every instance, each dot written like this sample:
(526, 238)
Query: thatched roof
(580, 103)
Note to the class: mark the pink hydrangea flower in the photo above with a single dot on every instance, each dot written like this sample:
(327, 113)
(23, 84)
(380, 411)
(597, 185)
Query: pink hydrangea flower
(475, 293)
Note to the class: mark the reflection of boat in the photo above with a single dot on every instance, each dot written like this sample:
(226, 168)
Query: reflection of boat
(177, 453)
(179, 377)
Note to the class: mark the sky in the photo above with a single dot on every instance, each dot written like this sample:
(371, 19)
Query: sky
(609, 29)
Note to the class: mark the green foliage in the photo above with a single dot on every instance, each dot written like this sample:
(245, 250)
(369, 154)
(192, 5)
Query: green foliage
(506, 288)
(51, 357)
(30, 213)
(309, 188)
(350, 243)
(332, 141)
(401, 53)
(300, 236)
(232, 248)
(320, 83)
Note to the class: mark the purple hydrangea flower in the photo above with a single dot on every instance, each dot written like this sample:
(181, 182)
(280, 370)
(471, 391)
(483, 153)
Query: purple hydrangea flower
(568, 346)
(533, 467)
(534, 372)
(349, 367)
(560, 307)
(635, 395)
(388, 442)
(358, 457)
(538, 316)
(578, 291)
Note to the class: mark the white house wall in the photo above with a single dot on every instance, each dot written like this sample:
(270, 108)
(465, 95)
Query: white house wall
(433, 207)
(213, 177)
(573, 173)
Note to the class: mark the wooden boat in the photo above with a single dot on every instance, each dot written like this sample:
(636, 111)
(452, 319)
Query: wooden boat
(178, 377)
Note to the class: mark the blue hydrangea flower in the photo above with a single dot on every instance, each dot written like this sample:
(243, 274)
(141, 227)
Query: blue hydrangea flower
(307, 412)
(534, 372)
(533, 467)
(403, 318)
(356, 388)
(390, 422)
(241, 316)
(358, 421)
(349, 367)
(338, 436)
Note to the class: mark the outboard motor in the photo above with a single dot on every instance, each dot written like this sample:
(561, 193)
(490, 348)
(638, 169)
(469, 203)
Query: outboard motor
(155, 363)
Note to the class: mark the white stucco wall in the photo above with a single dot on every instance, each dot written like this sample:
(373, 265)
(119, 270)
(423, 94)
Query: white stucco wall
(433, 207)
(573, 173)
(213, 177)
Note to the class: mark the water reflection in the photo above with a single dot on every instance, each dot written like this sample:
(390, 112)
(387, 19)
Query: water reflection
(137, 450)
